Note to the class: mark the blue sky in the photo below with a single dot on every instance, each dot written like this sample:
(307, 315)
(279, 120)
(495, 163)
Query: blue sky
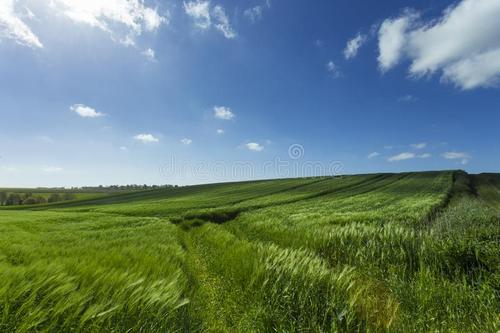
(129, 91)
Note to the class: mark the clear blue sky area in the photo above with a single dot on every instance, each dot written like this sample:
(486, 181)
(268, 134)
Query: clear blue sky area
(99, 92)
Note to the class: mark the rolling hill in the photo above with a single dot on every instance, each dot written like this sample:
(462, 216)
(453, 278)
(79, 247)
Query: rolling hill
(409, 252)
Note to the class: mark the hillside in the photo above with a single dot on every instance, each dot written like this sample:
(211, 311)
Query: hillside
(407, 252)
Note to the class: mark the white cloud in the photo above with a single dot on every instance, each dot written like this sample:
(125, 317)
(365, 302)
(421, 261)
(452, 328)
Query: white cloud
(463, 44)
(124, 20)
(452, 155)
(204, 17)
(222, 112)
(223, 23)
(455, 155)
(421, 145)
(352, 47)
(409, 155)
(153, 20)
(254, 146)
(150, 54)
(372, 155)
(333, 69)
(123, 148)
(254, 14)
(186, 141)
(28, 13)
(475, 71)
(14, 28)
(146, 138)
(85, 111)
(402, 157)
(200, 12)
(52, 169)
(392, 40)
(220, 131)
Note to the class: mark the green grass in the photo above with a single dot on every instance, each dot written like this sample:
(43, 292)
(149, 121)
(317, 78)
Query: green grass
(411, 252)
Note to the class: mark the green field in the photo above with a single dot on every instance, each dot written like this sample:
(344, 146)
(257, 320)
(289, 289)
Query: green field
(409, 252)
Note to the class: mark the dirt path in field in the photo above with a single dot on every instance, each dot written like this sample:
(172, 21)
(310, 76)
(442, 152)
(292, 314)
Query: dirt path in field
(211, 303)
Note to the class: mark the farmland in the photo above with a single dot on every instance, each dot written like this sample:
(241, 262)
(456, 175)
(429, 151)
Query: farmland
(409, 252)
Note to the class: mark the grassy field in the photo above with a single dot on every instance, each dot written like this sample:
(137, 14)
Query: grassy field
(410, 252)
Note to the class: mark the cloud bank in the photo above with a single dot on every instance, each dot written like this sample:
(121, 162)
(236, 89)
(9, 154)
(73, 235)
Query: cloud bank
(462, 45)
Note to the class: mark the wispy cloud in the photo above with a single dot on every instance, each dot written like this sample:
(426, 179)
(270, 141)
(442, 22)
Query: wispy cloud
(420, 145)
(453, 155)
(333, 69)
(222, 22)
(186, 141)
(372, 155)
(146, 138)
(408, 156)
(85, 111)
(319, 42)
(220, 131)
(205, 17)
(254, 14)
(402, 157)
(14, 28)
(223, 112)
(407, 98)
(52, 169)
(254, 146)
(353, 45)
(124, 20)
(149, 54)
(199, 11)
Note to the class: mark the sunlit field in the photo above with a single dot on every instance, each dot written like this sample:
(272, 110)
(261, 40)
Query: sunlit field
(409, 252)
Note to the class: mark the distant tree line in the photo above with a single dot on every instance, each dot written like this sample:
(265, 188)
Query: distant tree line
(129, 187)
(12, 199)
(105, 188)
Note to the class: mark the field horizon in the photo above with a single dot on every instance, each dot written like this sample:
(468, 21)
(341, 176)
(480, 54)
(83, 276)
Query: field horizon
(124, 184)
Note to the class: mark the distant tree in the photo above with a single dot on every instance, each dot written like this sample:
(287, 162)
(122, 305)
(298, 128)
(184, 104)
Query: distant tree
(40, 199)
(13, 199)
(3, 197)
(27, 195)
(30, 201)
(54, 197)
(69, 196)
